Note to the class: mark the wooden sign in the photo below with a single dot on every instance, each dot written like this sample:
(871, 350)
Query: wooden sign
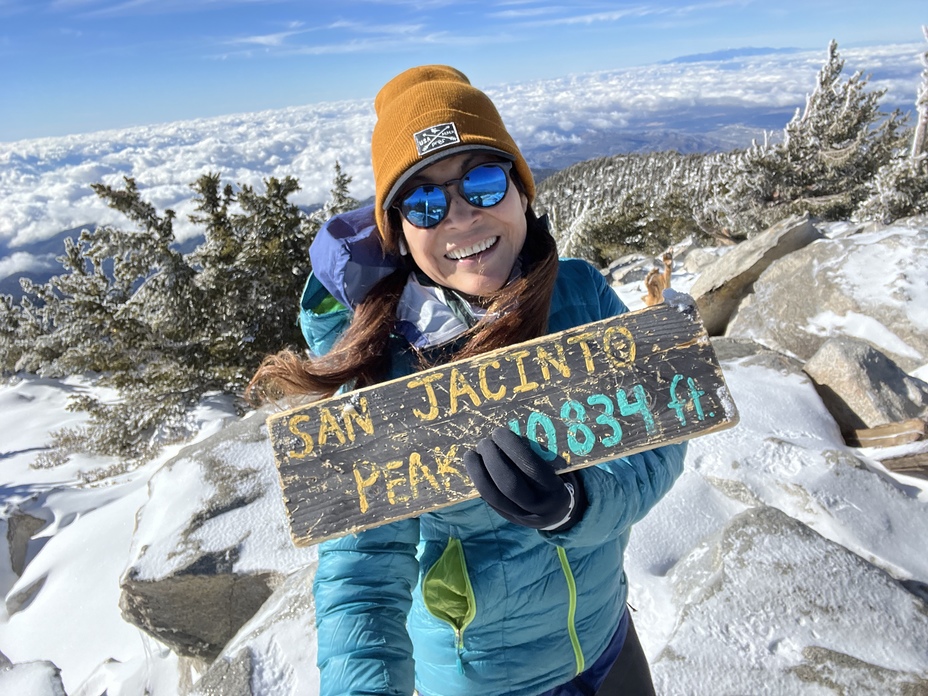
(591, 393)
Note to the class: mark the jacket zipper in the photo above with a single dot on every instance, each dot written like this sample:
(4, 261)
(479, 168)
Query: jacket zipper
(572, 609)
(459, 645)
(458, 623)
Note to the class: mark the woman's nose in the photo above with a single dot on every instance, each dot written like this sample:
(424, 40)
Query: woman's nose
(459, 210)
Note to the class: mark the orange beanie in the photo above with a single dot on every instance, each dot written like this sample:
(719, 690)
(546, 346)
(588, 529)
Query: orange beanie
(426, 114)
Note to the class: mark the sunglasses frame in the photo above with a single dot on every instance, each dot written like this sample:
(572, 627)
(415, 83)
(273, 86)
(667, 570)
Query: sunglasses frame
(504, 165)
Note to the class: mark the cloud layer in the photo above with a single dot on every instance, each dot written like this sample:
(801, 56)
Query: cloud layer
(45, 183)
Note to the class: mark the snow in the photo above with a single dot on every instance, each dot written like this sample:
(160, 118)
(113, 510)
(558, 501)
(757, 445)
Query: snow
(183, 488)
(864, 327)
(90, 542)
(30, 678)
(80, 554)
(905, 273)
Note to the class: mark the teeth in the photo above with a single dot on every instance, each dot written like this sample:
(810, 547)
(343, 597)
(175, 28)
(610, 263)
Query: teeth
(459, 254)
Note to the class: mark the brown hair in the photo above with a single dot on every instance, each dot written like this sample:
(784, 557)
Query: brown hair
(361, 355)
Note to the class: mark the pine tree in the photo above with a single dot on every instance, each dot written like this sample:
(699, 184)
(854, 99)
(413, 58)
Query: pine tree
(900, 187)
(830, 150)
(76, 322)
(11, 347)
(123, 309)
(160, 328)
(271, 268)
(607, 207)
(339, 201)
(920, 136)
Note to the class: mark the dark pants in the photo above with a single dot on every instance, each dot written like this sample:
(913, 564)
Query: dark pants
(628, 675)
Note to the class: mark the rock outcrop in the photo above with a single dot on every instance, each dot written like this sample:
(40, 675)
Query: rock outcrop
(256, 661)
(722, 285)
(862, 387)
(828, 288)
(768, 587)
(20, 530)
(197, 577)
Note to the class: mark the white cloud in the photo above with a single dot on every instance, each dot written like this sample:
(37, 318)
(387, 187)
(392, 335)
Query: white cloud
(525, 12)
(389, 43)
(596, 17)
(72, 4)
(372, 39)
(23, 262)
(575, 15)
(277, 39)
(105, 8)
(45, 183)
(101, 8)
(400, 29)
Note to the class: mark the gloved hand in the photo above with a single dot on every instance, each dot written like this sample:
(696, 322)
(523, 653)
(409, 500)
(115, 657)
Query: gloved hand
(523, 487)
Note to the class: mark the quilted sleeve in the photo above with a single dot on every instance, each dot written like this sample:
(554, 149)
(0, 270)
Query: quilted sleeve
(622, 491)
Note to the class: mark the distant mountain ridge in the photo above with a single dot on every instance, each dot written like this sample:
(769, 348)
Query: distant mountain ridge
(729, 53)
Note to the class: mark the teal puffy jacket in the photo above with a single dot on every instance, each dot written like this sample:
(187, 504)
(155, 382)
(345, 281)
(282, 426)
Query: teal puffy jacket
(460, 602)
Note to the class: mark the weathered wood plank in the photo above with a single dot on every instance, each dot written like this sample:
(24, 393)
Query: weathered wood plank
(915, 464)
(889, 434)
(590, 394)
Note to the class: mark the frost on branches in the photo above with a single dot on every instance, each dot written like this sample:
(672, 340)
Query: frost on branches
(607, 207)
(159, 327)
(900, 188)
(829, 153)
(839, 157)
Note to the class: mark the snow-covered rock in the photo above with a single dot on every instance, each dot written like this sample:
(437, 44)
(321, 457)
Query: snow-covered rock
(862, 387)
(715, 618)
(40, 678)
(769, 606)
(720, 287)
(275, 652)
(212, 542)
(870, 286)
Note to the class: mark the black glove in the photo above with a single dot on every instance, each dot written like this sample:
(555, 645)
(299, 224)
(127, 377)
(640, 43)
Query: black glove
(523, 487)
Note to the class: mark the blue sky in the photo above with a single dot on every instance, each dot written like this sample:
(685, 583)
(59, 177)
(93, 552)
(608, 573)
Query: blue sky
(74, 66)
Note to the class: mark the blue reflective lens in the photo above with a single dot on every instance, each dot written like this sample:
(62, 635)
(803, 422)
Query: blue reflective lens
(483, 187)
(425, 206)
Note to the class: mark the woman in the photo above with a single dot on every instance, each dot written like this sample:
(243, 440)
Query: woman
(521, 591)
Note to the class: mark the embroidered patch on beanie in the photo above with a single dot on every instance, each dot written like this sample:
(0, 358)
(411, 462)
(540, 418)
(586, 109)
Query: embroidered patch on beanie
(436, 137)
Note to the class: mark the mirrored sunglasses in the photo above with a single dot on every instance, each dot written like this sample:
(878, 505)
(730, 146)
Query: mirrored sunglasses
(483, 187)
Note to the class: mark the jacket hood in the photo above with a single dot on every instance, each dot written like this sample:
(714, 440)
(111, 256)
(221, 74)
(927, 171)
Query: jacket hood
(347, 257)
(347, 261)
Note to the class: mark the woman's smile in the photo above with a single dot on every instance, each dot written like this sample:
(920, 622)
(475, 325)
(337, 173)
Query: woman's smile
(468, 253)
